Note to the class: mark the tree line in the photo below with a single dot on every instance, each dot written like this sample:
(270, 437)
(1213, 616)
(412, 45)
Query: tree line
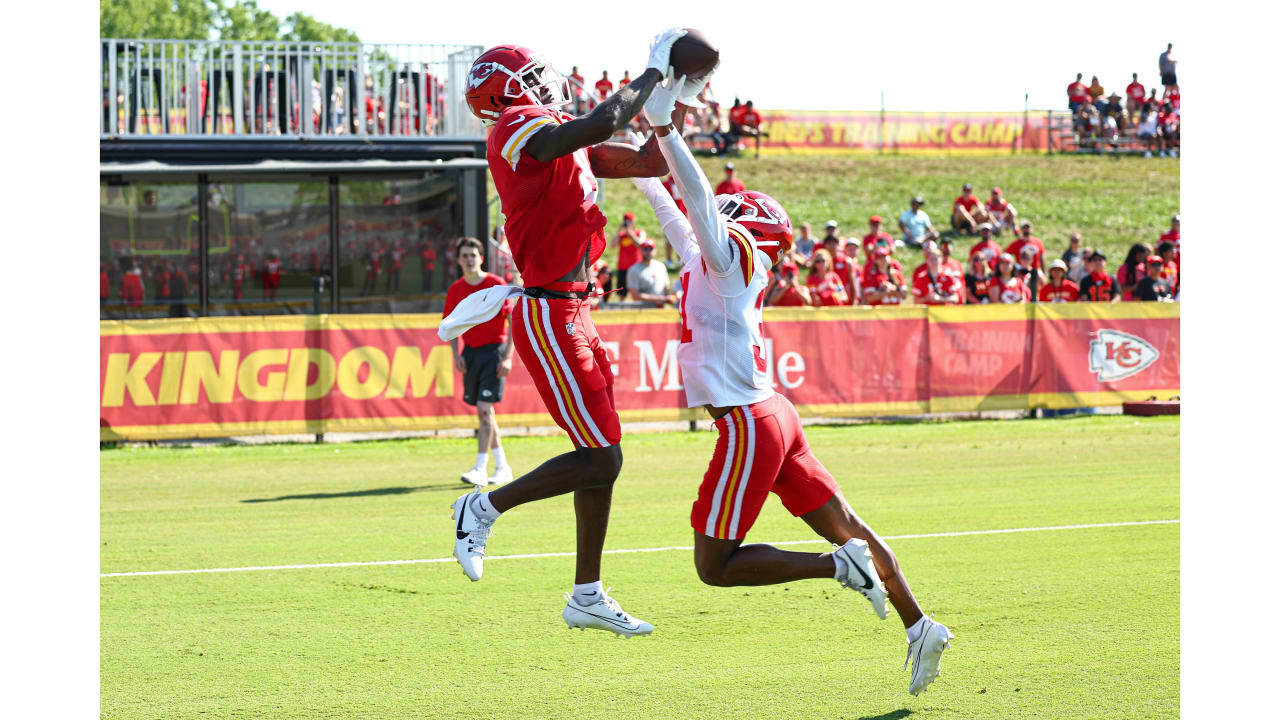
(211, 20)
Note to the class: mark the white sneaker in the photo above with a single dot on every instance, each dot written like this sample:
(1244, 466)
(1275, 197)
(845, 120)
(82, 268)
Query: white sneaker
(473, 533)
(604, 614)
(925, 655)
(860, 574)
(500, 476)
(475, 476)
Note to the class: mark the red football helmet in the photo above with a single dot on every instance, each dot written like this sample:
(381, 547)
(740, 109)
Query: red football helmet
(763, 216)
(509, 75)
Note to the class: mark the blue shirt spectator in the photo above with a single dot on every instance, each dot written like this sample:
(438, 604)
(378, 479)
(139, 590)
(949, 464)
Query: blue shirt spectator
(915, 225)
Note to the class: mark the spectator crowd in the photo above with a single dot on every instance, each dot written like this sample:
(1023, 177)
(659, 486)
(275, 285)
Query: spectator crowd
(1154, 123)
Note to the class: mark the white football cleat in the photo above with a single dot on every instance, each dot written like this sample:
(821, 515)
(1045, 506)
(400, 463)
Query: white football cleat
(500, 476)
(925, 655)
(473, 533)
(604, 614)
(475, 476)
(860, 574)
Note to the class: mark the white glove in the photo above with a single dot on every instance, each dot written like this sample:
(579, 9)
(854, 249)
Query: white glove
(693, 88)
(660, 50)
(662, 102)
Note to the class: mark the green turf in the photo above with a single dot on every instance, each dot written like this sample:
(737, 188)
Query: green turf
(1072, 623)
(1111, 202)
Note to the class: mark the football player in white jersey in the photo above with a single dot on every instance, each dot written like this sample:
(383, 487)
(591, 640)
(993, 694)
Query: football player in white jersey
(727, 245)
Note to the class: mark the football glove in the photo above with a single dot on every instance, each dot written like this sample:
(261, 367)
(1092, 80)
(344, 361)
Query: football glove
(660, 50)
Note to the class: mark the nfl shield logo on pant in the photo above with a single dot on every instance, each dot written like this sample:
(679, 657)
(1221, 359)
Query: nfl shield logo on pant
(568, 327)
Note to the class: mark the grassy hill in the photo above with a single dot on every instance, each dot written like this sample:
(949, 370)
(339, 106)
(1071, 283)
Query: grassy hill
(1111, 202)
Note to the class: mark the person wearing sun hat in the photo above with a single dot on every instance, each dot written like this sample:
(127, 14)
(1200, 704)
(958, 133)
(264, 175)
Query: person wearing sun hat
(1059, 288)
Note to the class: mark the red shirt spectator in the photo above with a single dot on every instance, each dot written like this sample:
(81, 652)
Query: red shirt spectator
(271, 274)
(882, 283)
(842, 265)
(1077, 92)
(986, 247)
(604, 87)
(730, 184)
(950, 264)
(490, 331)
(935, 286)
(750, 117)
(1059, 288)
(131, 288)
(1174, 235)
(1174, 97)
(1026, 238)
(968, 200)
(626, 79)
(1136, 92)
(1006, 287)
(869, 240)
(1098, 285)
(104, 283)
(825, 286)
(736, 114)
(629, 239)
(785, 290)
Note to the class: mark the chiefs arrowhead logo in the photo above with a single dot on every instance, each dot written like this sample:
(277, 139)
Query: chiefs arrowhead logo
(1116, 355)
(479, 73)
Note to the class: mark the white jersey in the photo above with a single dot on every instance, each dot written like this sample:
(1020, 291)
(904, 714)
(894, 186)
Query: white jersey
(724, 276)
(721, 349)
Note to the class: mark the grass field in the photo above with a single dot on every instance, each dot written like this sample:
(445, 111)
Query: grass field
(1111, 202)
(1064, 623)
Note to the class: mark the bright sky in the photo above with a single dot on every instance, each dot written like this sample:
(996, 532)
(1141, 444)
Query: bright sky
(925, 55)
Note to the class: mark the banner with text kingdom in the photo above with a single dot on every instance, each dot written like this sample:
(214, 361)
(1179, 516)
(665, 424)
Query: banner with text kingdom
(902, 132)
(217, 377)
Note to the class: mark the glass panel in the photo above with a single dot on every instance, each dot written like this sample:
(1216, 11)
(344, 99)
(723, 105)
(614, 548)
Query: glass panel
(268, 247)
(149, 241)
(393, 242)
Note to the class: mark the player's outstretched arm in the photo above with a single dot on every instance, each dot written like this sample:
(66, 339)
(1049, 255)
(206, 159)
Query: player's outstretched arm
(709, 228)
(609, 116)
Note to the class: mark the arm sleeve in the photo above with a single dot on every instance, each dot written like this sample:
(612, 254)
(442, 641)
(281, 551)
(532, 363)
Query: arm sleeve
(709, 229)
(674, 225)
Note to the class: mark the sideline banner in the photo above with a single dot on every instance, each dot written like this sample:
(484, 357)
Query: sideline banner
(902, 132)
(216, 377)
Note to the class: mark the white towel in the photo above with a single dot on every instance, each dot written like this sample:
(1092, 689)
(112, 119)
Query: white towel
(474, 309)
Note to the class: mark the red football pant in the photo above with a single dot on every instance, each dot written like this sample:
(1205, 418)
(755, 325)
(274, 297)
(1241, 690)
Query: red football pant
(761, 449)
(558, 344)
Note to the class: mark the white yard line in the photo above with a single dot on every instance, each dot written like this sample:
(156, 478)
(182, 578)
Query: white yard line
(624, 551)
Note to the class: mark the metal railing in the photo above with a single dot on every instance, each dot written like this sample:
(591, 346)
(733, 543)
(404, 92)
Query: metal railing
(292, 89)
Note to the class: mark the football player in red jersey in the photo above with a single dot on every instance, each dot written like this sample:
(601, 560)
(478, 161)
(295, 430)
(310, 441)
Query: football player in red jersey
(544, 165)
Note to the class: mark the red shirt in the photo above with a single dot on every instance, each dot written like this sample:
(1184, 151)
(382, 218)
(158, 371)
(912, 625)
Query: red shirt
(552, 217)
(944, 284)
(629, 248)
(873, 279)
(1174, 98)
(1077, 92)
(428, 258)
(789, 298)
(990, 249)
(998, 206)
(104, 290)
(968, 201)
(1068, 292)
(603, 88)
(842, 265)
(271, 274)
(823, 289)
(869, 241)
(1169, 271)
(131, 288)
(1136, 92)
(1009, 291)
(1124, 277)
(1015, 249)
(1175, 237)
(729, 186)
(751, 118)
(736, 114)
(490, 331)
(624, 82)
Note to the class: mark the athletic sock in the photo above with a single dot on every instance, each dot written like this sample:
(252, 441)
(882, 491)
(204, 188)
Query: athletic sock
(842, 567)
(499, 457)
(482, 461)
(483, 508)
(588, 593)
(913, 632)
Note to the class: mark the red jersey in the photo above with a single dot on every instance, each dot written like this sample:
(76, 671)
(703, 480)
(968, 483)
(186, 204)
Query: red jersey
(552, 217)
(751, 118)
(427, 256)
(131, 288)
(603, 88)
(823, 289)
(1010, 291)
(873, 279)
(1077, 92)
(843, 266)
(629, 248)
(736, 114)
(490, 331)
(869, 241)
(1169, 272)
(990, 250)
(1067, 292)
(1174, 98)
(943, 284)
(968, 201)
(271, 274)
(1136, 92)
(998, 206)
(789, 298)
(729, 186)
(1015, 249)
(624, 82)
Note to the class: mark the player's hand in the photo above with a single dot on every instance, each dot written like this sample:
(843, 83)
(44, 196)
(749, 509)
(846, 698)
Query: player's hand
(662, 102)
(504, 367)
(693, 88)
(460, 364)
(660, 50)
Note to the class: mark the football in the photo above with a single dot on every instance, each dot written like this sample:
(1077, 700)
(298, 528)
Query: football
(693, 55)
